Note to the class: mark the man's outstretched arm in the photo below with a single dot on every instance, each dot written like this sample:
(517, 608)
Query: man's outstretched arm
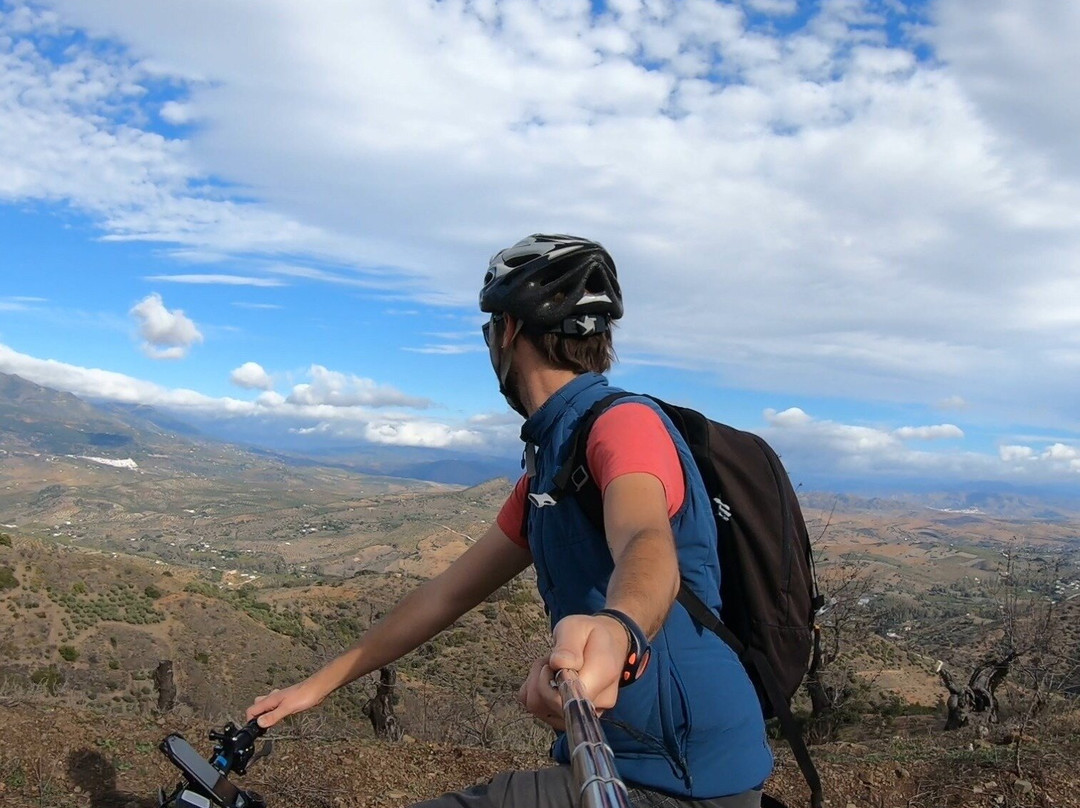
(418, 617)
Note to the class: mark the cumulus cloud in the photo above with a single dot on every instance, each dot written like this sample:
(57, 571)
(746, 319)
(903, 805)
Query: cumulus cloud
(1056, 457)
(1012, 453)
(937, 432)
(176, 113)
(251, 376)
(418, 433)
(336, 389)
(814, 447)
(166, 334)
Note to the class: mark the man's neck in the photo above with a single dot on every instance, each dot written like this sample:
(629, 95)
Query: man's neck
(542, 384)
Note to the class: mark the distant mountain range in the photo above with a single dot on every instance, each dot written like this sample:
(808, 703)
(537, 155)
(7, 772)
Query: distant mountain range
(42, 420)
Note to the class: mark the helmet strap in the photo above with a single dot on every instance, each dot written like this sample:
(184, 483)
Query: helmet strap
(502, 370)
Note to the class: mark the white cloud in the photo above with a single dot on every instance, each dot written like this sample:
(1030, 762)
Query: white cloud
(1013, 453)
(166, 334)
(820, 212)
(781, 8)
(271, 399)
(1061, 452)
(447, 349)
(1059, 458)
(176, 113)
(336, 389)
(953, 402)
(791, 417)
(224, 280)
(109, 385)
(816, 447)
(937, 432)
(1019, 63)
(418, 433)
(251, 376)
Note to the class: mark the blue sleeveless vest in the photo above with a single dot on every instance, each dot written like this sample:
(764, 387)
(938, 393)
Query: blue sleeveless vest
(691, 726)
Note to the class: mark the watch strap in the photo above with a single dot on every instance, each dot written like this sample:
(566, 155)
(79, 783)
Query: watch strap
(639, 652)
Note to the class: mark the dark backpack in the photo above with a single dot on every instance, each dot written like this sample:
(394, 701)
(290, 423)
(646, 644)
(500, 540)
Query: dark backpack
(768, 587)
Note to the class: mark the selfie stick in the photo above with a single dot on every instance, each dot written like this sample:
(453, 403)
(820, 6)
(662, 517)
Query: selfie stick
(591, 759)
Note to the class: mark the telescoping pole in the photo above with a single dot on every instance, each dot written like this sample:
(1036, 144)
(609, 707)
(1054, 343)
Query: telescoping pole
(591, 760)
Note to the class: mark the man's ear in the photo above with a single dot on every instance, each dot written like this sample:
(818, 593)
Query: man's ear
(509, 331)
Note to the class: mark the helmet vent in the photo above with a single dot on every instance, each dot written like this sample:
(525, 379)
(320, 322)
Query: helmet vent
(518, 260)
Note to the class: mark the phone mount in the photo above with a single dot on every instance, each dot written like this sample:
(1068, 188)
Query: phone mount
(205, 783)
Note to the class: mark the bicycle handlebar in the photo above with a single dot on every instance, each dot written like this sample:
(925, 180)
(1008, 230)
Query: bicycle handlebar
(205, 782)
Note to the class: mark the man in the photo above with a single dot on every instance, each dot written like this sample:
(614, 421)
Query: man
(677, 707)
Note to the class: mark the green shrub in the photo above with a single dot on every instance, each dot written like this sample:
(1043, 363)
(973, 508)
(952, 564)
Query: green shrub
(5, 540)
(79, 588)
(50, 678)
(152, 592)
(7, 578)
(202, 656)
(69, 653)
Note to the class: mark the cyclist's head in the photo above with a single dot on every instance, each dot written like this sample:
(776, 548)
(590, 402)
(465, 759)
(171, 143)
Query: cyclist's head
(563, 293)
(554, 284)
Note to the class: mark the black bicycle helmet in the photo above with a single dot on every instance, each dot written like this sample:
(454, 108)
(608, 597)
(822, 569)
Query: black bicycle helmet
(558, 283)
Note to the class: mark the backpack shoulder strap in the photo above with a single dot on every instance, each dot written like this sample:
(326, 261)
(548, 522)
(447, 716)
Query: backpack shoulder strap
(573, 476)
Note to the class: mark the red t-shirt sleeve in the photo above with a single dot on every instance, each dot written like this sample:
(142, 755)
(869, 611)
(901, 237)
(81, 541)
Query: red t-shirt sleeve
(630, 438)
(513, 513)
(627, 439)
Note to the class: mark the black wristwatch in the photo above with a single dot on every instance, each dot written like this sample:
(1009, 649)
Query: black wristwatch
(639, 653)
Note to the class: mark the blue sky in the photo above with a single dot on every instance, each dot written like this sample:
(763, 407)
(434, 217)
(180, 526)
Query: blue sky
(851, 225)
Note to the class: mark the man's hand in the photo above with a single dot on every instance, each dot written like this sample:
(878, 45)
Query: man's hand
(596, 647)
(279, 704)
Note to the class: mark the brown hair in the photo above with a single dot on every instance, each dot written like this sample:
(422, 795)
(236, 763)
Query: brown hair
(579, 354)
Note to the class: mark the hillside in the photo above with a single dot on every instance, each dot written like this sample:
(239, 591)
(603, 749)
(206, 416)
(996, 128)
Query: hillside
(247, 572)
(81, 632)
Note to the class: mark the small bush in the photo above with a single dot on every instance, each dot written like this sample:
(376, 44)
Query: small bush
(7, 578)
(69, 653)
(50, 678)
(152, 592)
(202, 656)
(5, 540)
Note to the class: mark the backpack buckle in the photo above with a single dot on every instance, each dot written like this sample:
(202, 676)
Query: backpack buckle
(579, 477)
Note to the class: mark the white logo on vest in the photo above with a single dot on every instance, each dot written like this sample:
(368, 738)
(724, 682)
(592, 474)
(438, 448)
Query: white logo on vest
(723, 510)
(542, 500)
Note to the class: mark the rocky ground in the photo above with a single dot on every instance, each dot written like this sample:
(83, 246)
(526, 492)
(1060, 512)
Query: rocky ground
(62, 758)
